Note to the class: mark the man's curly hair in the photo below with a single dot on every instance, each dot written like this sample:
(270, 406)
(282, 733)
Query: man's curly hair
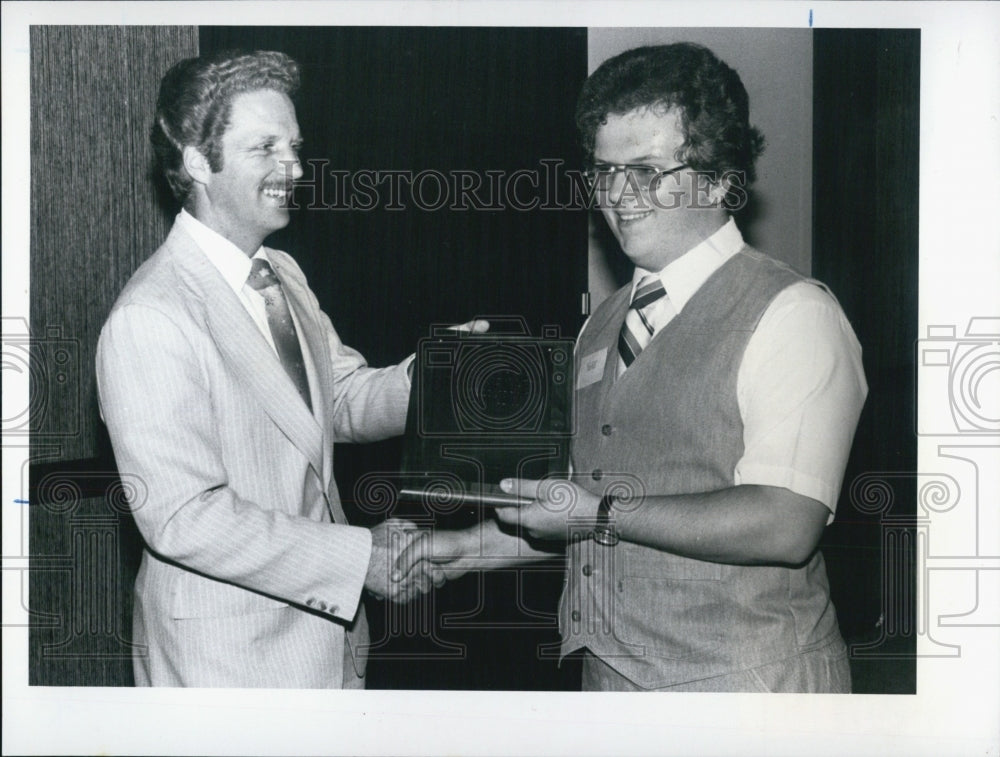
(714, 107)
(195, 103)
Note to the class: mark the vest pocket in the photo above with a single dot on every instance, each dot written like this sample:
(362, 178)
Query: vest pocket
(668, 606)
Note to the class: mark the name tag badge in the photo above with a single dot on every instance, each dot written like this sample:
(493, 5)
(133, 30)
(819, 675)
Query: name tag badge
(591, 369)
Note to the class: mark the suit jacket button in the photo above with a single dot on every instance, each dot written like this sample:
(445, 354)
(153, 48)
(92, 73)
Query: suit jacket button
(587, 570)
(606, 429)
(597, 474)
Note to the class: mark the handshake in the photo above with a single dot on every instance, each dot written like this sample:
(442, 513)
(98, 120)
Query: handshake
(407, 561)
(402, 567)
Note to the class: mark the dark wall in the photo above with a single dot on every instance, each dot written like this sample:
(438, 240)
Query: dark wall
(445, 100)
(866, 157)
(442, 100)
(95, 216)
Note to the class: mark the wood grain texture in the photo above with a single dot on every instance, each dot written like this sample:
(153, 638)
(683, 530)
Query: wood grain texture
(85, 551)
(96, 214)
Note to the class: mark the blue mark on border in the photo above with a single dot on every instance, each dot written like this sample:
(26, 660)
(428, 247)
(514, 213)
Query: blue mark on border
(810, 18)
(20, 501)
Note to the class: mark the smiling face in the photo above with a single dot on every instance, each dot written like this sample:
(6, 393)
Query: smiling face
(247, 198)
(655, 229)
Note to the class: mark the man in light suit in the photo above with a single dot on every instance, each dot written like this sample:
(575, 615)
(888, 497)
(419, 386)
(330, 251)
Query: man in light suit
(251, 574)
(716, 399)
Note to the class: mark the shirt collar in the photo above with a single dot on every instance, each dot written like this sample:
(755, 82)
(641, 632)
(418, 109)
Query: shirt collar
(684, 276)
(229, 259)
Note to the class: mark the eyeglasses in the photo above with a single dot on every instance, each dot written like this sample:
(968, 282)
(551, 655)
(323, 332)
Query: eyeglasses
(637, 175)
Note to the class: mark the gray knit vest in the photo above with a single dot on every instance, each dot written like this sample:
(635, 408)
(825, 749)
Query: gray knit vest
(671, 425)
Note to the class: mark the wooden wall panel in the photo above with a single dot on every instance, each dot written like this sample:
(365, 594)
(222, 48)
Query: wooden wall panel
(85, 551)
(95, 213)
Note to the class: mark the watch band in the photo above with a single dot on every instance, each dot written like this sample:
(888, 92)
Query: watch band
(605, 532)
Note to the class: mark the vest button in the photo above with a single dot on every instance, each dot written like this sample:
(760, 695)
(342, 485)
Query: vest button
(587, 570)
(606, 429)
(597, 475)
(575, 616)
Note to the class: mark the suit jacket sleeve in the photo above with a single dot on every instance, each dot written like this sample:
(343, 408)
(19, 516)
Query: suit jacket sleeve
(369, 404)
(160, 415)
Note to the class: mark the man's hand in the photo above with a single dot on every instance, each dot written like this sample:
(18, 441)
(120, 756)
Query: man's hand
(438, 557)
(389, 539)
(556, 504)
(475, 326)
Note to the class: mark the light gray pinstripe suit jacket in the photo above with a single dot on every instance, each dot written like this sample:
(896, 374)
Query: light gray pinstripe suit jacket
(244, 581)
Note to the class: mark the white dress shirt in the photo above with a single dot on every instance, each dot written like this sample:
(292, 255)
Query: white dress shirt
(234, 265)
(801, 385)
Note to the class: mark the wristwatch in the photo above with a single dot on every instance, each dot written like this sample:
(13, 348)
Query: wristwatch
(605, 532)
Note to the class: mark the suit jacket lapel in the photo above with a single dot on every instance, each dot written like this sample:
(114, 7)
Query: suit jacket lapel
(244, 348)
(311, 322)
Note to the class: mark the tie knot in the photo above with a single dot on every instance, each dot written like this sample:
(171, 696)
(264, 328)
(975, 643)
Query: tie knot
(261, 275)
(650, 289)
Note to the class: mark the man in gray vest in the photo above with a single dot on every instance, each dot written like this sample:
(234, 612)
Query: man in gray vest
(717, 396)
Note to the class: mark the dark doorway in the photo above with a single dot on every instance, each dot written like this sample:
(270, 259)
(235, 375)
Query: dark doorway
(866, 144)
(437, 105)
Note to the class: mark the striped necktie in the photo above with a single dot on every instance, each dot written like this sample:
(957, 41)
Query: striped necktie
(638, 328)
(279, 320)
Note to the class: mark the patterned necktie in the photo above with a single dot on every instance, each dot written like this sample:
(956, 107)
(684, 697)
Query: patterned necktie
(638, 328)
(279, 319)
